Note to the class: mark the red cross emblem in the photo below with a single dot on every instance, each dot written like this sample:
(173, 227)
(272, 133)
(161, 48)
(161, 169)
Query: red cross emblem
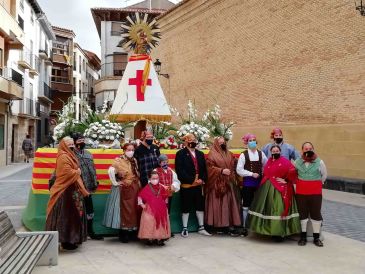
(138, 82)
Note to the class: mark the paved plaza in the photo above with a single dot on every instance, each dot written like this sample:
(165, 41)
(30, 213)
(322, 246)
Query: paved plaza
(344, 232)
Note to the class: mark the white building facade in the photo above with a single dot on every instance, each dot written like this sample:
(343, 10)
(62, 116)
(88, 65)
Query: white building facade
(34, 71)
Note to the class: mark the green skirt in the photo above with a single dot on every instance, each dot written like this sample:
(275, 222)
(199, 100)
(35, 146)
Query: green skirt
(264, 213)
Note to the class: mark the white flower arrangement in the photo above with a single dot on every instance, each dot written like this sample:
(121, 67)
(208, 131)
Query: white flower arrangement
(104, 131)
(212, 119)
(200, 132)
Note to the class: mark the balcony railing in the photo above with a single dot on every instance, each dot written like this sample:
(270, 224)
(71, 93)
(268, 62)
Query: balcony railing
(26, 106)
(61, 79)
(11, 74)
(46, 92)
(59, 45)
(113, 69)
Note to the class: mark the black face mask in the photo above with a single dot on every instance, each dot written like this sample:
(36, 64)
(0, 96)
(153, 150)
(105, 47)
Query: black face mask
(192, 144)
(223, 146)
(149, 142)
(278, 140)
(80, 146)
(275, 155)
(309, 153)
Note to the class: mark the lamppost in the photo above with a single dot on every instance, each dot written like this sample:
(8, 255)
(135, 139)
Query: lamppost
(360, 7)
(157, 64)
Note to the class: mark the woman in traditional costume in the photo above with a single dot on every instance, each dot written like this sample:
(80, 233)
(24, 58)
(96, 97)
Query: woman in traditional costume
(221, 207)
(274, 211)
(121, 211)
(66, 210)
(155, 223)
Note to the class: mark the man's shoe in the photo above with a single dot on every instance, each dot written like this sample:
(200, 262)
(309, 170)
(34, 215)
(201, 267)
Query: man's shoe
(160, 242)
(318, 242)
(202, 231)
(302, 242)
(185, 233)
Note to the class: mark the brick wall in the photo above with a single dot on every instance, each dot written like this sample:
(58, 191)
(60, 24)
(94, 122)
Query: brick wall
(295, 64)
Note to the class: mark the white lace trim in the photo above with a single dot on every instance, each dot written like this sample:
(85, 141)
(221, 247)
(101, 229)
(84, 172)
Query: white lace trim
(294, 215)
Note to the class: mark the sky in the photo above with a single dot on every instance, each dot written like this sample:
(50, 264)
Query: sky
(76, 15)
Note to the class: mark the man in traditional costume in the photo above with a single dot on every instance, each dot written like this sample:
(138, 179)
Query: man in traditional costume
(288, 151)
(147, 156)
(312, 173)
(250, 166)
(88, 175)
(66, 210)
(191, 170)
(222, 210)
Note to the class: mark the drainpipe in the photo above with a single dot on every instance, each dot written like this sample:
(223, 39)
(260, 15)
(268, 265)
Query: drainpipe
(8, 113)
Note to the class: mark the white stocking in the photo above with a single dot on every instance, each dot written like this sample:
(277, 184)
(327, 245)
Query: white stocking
(303, 224)
(185, 219)
(200, 216)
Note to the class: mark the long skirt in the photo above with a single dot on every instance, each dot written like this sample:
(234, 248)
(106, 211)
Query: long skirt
(112, 209)
(129, 207)
(148, 229)
(68, 217)
(222, 211)
(121, 210)
(265, 213)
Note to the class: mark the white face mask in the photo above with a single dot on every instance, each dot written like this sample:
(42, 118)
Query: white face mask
(154, 181)
(129, 154)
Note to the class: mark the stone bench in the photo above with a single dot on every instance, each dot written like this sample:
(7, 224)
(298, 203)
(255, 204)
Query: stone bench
(20, 252)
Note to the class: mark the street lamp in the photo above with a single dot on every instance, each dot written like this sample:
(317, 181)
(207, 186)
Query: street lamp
(360, 7)
(157, 64)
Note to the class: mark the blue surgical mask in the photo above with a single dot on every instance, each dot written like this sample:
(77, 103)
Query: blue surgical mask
(252, 144)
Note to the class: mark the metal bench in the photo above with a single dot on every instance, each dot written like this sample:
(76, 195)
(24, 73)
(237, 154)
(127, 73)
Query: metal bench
(20, 252)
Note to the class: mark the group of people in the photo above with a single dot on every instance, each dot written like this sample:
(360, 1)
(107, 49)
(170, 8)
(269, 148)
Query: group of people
(211, 186)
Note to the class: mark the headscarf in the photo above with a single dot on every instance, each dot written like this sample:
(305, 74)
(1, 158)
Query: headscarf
(217, 160)
(66, 174)
(275, 131)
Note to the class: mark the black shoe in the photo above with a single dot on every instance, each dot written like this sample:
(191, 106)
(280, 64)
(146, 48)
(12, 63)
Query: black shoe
(27, 161)
(68, 246)
(149, 242)
(172, 235)
(302, 242)
(278, 239)
(318, 242)
(244, 232)
(160, 242)
(96, 237)
(124, 236)
(133, 236)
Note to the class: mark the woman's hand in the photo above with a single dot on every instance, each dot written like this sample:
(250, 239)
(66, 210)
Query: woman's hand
(281, 180)
(226, 171)
(143, 206)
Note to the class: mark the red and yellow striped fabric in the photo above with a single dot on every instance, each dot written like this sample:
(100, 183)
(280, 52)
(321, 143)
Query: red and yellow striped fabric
(45, 164)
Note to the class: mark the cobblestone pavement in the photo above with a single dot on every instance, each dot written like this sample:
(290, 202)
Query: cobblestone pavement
(343, 219)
